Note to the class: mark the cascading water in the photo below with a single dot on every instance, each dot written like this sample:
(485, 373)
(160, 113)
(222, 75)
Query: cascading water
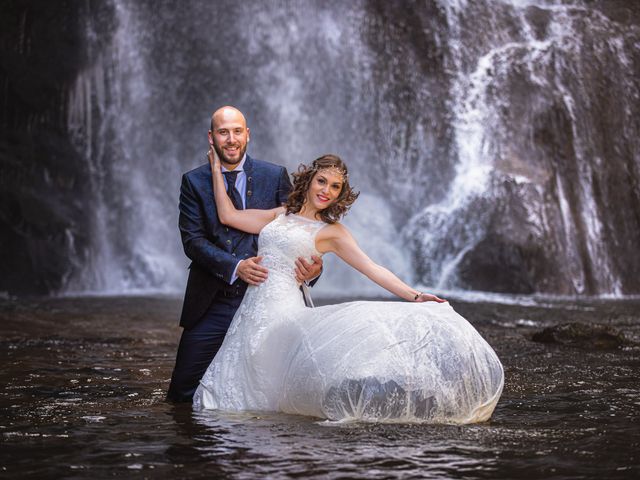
(136, 183)
(132, 215)
(484, 135)
(555, 237)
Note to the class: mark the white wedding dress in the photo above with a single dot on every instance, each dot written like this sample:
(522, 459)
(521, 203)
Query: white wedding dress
(372, 361)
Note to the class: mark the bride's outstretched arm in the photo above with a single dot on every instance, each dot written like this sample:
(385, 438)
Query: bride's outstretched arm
(337, 239)
(250, 220)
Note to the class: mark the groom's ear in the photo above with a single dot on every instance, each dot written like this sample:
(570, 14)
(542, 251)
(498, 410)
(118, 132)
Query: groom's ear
(248, 134)
(210, 137)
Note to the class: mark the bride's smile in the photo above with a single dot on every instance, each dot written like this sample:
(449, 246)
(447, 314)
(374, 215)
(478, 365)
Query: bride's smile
(323, 191)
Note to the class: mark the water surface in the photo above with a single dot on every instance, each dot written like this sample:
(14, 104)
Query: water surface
(83, 384)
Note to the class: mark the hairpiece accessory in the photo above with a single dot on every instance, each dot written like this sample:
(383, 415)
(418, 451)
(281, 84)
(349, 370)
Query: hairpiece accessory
(333, 170)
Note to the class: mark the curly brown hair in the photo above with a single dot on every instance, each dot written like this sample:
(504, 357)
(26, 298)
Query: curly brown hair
(302, 180)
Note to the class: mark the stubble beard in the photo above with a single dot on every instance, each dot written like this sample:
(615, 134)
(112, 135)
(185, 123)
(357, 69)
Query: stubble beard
(229, 161)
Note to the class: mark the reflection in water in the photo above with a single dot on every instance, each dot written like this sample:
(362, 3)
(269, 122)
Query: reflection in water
(84, 380)
(270, 443)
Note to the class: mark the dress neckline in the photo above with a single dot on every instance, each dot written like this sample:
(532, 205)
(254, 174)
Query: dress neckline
(305, 218)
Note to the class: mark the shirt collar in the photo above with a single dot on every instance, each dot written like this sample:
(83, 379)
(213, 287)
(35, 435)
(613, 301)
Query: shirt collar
(239, 168)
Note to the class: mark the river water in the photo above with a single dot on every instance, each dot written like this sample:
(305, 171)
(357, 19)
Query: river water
(83, 384)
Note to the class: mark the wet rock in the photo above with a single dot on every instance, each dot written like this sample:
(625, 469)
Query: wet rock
(539, 20)
(44, 221)
(582, 335)
(560, 213)
(409, 62)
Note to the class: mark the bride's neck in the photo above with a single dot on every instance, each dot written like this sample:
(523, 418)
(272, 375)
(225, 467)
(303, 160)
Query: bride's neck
(311, 214)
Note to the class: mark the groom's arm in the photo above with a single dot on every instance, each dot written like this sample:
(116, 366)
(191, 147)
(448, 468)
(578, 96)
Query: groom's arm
(197, 246)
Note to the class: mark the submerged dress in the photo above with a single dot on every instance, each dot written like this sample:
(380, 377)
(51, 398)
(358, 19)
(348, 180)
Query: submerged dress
(371, 361)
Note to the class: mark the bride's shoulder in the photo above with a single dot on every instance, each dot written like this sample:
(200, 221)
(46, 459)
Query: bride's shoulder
(332, 237)
(333, 230)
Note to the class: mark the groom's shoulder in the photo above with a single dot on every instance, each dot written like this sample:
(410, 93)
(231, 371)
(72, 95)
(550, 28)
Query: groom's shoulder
(202, 172)
(263, 168)
(266, 166)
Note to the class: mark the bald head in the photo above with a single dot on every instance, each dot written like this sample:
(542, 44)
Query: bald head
(229, 135)
(227, 114)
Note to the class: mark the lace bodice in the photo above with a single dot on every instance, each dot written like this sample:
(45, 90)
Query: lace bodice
(282, 241)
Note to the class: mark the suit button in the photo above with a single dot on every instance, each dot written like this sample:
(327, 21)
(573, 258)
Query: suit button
(226, 229)
(233, 254)
(248, 193)
(228, 242)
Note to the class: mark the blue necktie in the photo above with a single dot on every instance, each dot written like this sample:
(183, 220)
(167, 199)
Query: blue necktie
(232, 191)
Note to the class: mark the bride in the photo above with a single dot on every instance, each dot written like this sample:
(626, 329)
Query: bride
(372, 361)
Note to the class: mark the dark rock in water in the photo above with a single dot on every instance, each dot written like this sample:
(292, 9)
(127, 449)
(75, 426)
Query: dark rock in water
(582, 335)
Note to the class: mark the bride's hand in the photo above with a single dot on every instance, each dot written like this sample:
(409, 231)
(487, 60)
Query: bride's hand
(214, 160)
(428, 297)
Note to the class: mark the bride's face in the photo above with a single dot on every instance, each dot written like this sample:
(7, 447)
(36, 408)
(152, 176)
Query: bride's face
(324, 189)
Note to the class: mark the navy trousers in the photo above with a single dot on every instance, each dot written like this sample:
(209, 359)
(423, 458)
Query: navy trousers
(199, 345)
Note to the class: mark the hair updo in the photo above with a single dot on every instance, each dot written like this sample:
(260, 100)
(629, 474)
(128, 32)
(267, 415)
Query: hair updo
(302, 181)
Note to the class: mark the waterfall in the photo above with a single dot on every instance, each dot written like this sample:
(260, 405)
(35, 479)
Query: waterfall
(131, 247)
(116, 112)
(489, 148)
(499, 163)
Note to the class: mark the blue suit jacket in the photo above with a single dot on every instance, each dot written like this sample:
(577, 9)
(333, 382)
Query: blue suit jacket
(215, 249)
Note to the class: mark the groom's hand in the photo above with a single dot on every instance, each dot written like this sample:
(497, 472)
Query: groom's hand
(250, 271)
(306, 271)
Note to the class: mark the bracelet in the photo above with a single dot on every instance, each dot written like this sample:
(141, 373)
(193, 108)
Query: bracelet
(417, 295)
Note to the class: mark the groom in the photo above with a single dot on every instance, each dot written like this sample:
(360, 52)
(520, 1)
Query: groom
(223, 259)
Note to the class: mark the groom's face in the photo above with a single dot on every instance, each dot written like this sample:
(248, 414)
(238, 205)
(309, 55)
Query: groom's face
(229, 136)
